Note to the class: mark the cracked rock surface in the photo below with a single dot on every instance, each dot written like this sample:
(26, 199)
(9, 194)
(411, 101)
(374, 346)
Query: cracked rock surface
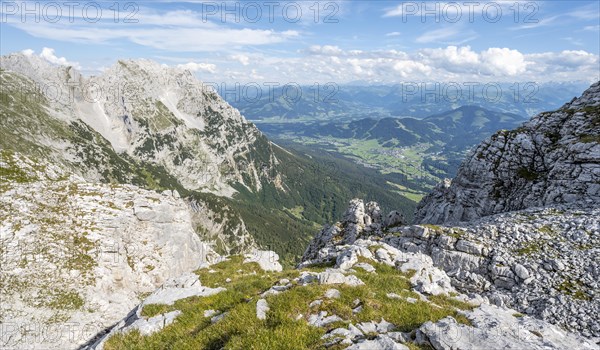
(554, 158)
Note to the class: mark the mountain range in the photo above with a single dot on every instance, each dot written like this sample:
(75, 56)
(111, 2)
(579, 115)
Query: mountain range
(160, 128)
(515, 270)
(350, 102)
(139, 210)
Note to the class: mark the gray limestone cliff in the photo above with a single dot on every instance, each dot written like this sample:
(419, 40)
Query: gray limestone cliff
(552, 159)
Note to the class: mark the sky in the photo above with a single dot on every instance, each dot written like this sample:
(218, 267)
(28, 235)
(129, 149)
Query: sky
(306, 42)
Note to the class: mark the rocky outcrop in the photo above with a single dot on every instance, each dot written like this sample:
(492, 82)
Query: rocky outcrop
(77, 256)
(554, 158)
(228, 234)
(540, 261)
(479, 261)
(266, 259)
(360, 220)
(388, 290)
(497, 328)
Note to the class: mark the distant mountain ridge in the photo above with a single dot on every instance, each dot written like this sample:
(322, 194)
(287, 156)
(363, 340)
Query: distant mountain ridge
(352, 102)
(554, 158)
(393, 132)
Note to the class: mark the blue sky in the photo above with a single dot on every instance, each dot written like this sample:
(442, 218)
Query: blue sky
(347, 41)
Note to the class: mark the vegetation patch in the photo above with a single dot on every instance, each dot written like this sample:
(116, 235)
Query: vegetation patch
(62, 300)
(529, 248)
(573, 288)
(527, 174)
(587, 138)
(286, 325)
(547, 229)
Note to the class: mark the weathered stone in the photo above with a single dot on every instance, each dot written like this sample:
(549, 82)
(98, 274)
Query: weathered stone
(268, 260)
(382, 342)
(261, 309)
(521, 271)
(332, 294)
(495, 328)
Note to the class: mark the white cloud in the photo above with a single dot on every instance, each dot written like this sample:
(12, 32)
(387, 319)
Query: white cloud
(448, 35)
(393, 34)
(452, 58)
(243, 59)
(592, 28)
(503, 61)
(195, 67)
(565, 60)
(28, 52)
(48, 55)
(436, 35)
(544, 22)
(574, 41)
(583, 13)
(448, 64)
(408, 68)
(180, 31)
(327, 50)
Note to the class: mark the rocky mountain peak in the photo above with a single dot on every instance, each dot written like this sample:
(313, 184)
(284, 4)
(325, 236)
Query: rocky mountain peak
(150, 112)
(554, 158)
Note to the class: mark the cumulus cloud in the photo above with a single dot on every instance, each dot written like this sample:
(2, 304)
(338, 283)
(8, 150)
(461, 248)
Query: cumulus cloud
(408, 68)
(565, 60)
(503, 61)
(452, 58)
(196, 67)
(49, 55)
(451, 63)
(28, 52)
(328, 63)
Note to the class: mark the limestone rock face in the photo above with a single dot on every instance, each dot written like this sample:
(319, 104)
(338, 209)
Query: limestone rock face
(150, 112)
(539, 261)
(136, 123)
(81, 255)
(360, 220)
(554, 158)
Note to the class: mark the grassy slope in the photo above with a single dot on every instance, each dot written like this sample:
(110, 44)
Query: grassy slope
(283, 329)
